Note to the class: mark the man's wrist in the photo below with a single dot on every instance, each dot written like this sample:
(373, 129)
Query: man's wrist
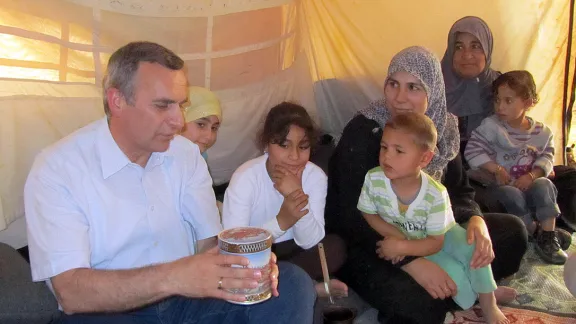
(167, 286)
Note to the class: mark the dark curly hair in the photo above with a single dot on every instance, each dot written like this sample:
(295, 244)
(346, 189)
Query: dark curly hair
(278, 121)
(519, 81)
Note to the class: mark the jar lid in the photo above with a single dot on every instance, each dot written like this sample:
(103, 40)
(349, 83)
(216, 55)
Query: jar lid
(244, 240)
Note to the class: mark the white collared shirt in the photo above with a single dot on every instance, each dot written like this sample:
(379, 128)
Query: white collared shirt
(252, 200)
(88, 206)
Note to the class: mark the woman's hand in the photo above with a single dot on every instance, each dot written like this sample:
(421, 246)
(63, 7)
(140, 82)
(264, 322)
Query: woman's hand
(397, 259)
(524, 182)
(292, 209)
(431, 277)
(286, 181)
(477, 232)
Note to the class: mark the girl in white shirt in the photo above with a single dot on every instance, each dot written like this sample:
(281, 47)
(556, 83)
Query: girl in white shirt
(285, 193)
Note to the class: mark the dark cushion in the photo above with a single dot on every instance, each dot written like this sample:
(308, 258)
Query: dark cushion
(21, 300)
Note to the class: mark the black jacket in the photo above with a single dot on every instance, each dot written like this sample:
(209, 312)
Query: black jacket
(356, 153)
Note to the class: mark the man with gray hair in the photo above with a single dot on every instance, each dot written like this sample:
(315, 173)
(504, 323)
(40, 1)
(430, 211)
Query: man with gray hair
(116, 209)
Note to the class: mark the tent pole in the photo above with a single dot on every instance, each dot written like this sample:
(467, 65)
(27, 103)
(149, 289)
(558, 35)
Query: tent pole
(567, 111)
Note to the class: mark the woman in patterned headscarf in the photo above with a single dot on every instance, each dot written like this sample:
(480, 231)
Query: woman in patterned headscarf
(422, 64)
(411, 291)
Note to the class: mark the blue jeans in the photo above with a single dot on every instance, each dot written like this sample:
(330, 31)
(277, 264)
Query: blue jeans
(295, 305)
(537, 203)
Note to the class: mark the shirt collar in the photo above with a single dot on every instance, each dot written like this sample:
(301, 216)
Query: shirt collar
(112, 159)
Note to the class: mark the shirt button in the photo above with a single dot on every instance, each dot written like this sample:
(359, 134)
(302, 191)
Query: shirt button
(156, 243)
(152, 208)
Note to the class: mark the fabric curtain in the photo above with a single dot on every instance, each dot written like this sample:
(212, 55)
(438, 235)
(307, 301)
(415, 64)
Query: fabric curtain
(329, 55)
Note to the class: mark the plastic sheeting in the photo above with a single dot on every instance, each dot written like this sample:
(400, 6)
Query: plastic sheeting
(329, 55)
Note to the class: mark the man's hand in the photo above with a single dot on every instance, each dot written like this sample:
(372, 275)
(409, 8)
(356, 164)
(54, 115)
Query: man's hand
(198, 276)
(274, 273)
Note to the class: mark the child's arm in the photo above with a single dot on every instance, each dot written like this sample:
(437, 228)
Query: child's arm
(502, 176)
(538, 172)
(544, 163)
(480, 151)
(479, 148)
(491, 167)
(440, 220)
(382, 227)
(422, 247)
(367, 206)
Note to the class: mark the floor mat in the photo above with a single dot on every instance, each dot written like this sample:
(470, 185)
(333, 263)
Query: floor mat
(515, 315)
(541, 286)
(543, 298)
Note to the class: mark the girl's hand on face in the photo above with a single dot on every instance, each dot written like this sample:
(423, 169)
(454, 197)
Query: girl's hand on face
(286, 181)
(292, 209)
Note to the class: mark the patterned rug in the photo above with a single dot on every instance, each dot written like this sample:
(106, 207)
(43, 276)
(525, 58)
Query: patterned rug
(515, 315)
(541, 286)
(542, 297)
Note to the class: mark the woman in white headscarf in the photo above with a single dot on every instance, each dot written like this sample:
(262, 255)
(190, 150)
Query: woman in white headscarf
(413, 290)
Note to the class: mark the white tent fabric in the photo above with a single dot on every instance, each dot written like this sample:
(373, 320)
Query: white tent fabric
(328, 55)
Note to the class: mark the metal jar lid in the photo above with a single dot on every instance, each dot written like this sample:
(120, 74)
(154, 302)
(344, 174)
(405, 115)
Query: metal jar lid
(244, 240)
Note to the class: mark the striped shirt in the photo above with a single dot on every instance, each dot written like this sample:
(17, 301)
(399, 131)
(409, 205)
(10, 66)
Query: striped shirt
(429, 214)
(518, 151)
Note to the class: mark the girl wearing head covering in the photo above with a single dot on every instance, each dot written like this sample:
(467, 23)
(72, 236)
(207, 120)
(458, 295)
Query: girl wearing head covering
(467, 73)
(203, 117)
(414, 84)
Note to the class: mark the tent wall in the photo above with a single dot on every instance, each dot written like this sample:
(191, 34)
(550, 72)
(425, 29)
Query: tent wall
(329, 55)
(353, 41)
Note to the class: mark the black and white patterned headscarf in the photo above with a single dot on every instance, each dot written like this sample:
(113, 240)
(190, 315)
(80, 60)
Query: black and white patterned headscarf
(422, 64)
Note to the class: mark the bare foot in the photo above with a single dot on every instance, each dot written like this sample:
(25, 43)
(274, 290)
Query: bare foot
(505, 295)
(337, 288)
(495, 316)
(492, 314)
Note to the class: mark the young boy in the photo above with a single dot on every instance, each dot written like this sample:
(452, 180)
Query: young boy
(203, 117)
(412, 212)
